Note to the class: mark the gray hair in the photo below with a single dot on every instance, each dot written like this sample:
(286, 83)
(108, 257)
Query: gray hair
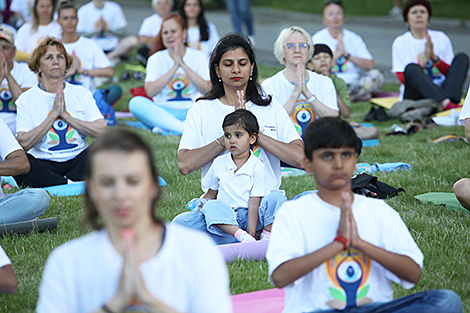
(282, 40)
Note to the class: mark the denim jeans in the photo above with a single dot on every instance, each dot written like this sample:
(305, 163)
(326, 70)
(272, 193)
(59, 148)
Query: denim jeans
(431, 301)
(215, 212)
(240, 11)
(23, 205)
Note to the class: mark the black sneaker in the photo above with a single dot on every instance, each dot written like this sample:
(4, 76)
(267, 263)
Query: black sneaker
(381, 115)
(371, 116)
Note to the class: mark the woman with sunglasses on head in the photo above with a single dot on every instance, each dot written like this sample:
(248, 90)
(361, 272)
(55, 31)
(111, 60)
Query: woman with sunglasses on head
(304, 94)
(202, 35)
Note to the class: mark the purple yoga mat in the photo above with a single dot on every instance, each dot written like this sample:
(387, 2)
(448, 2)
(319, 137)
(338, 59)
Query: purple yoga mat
(246, 251)
(264, 301)
(385, 94)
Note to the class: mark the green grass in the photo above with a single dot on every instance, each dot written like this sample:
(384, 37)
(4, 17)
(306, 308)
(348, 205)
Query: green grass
(441, 234)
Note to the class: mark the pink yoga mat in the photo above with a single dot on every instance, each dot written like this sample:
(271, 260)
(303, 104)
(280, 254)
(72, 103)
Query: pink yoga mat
(264, 301)
(255, 250)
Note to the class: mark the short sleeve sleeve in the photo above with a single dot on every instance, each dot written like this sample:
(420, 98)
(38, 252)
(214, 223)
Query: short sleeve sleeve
(192, 132)
(92, 111)
(24, 120)
(286, 129)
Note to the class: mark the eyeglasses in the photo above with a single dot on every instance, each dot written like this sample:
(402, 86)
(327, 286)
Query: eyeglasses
(301, 45)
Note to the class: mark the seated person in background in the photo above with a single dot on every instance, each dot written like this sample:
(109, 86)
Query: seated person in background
(151, 27)
(424, 62)
(176, 75)
(462, 187)
(8, 281)
(26, 204)
(42, 25)
(304, 94)
(350, 54)
(53, 120)
(104, 22)
(322, 63)
(202, 35)
(333, 250)
(89, 60)
(22, 9)
(15, 78)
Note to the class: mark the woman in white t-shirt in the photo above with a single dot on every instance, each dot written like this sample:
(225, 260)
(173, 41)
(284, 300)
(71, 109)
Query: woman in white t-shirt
(133, 261)
(202, 35)
(234, 79)
(53, 120)
(42, 25)
(304, 94)
(176, 75)
(424, 61)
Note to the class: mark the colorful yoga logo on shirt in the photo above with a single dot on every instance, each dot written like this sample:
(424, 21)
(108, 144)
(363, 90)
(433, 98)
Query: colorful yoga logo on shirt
(61, 135)
(348, 271)
(431, 70)
(341, 65)
(179, 88)
(5, 98)
(302, 116)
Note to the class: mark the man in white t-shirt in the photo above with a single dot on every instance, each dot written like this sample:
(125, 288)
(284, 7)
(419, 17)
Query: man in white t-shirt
(15, 78)
(26, 204)
(104, 22)
(8, 281)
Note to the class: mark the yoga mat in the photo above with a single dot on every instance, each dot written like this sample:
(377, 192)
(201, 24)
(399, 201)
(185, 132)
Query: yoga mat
(28, 226)
(370, 143)
(124, 114)
(292, 171)
(446, 198)
(254, 250)
(136, 124)
(386, 102)
(264, 301)
(387, 94)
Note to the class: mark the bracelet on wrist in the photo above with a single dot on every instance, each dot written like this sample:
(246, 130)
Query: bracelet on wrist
(347, 56)
(437, 60)
(342, 239)
(218, 142)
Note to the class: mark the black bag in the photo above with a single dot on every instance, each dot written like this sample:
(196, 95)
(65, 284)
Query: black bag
(369, 186)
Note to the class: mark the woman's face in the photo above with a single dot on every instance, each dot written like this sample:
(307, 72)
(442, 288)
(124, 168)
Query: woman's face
(192, 9)
(45, 10)
(52, 64)
(163, 8)
(122, 188)
(333, 16)
(296, 49)
(172, 34)
(418, 17)
(234, 69)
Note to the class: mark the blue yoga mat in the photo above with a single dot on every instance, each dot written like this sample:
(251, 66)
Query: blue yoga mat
(138, 124)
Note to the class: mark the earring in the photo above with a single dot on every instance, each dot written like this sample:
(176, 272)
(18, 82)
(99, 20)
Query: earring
(220, 80)
(251, 78)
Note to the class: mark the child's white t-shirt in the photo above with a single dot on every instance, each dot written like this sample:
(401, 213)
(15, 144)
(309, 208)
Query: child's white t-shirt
(236, 188)
(306, 224)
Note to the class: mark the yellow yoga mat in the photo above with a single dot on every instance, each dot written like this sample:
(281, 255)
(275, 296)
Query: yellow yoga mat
(386, 102)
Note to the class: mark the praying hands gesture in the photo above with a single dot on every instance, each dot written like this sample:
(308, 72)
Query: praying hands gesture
(347, 223)
(58, 109)
(428, 52)
(240, 103)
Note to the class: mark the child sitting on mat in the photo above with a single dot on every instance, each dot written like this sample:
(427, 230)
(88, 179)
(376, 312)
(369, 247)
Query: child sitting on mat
(237, 181)
(333, 250)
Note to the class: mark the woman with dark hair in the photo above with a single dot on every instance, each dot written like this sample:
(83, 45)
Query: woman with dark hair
(234, 78)
(42, 25)
(424, 62)
(202, 35)
(175, 77)
(132, 261)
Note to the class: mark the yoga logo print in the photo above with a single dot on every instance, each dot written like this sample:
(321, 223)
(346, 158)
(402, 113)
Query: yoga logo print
(5, 98)
(179, 87)
(62, 136)
(302, 116)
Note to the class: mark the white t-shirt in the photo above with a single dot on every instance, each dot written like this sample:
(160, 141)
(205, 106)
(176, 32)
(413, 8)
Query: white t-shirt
(25, 79)
(353, 44)
(4, 260)
(151, 26)
(204, 124)
(407, 49)
(307, 223)
(24, 7)
(27, 40)
(321, 86)
(194, 39)
(188, 274)
(112, 14)
(91, 56)
(465, 113)
(62, 142)
(8, 144)
(179, 92)
(236, 188)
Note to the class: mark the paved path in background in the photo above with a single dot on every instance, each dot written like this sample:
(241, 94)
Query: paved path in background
(377, 32)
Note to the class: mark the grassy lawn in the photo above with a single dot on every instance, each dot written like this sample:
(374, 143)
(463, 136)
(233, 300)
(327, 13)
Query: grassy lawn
(441, 234)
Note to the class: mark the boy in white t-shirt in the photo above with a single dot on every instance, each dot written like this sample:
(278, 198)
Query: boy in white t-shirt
(237, 181)
(333, 250)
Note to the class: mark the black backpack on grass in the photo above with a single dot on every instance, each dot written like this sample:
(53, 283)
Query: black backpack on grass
(369, 186)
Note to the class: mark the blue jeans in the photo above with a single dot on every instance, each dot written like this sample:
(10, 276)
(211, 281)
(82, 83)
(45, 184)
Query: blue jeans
(23, 205)
(215, 212)
(152, 115)
(240, 11)
(431, 301)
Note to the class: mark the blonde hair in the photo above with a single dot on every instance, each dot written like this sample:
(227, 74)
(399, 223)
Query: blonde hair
(279, 52)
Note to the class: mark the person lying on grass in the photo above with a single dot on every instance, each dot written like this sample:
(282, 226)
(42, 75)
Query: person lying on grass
(332, 250)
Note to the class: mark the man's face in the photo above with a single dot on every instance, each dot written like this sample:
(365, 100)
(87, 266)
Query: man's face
(7, 51)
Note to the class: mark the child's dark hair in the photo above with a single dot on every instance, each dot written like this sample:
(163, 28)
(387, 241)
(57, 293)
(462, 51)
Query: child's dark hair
(328, 132)
(245, 119)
